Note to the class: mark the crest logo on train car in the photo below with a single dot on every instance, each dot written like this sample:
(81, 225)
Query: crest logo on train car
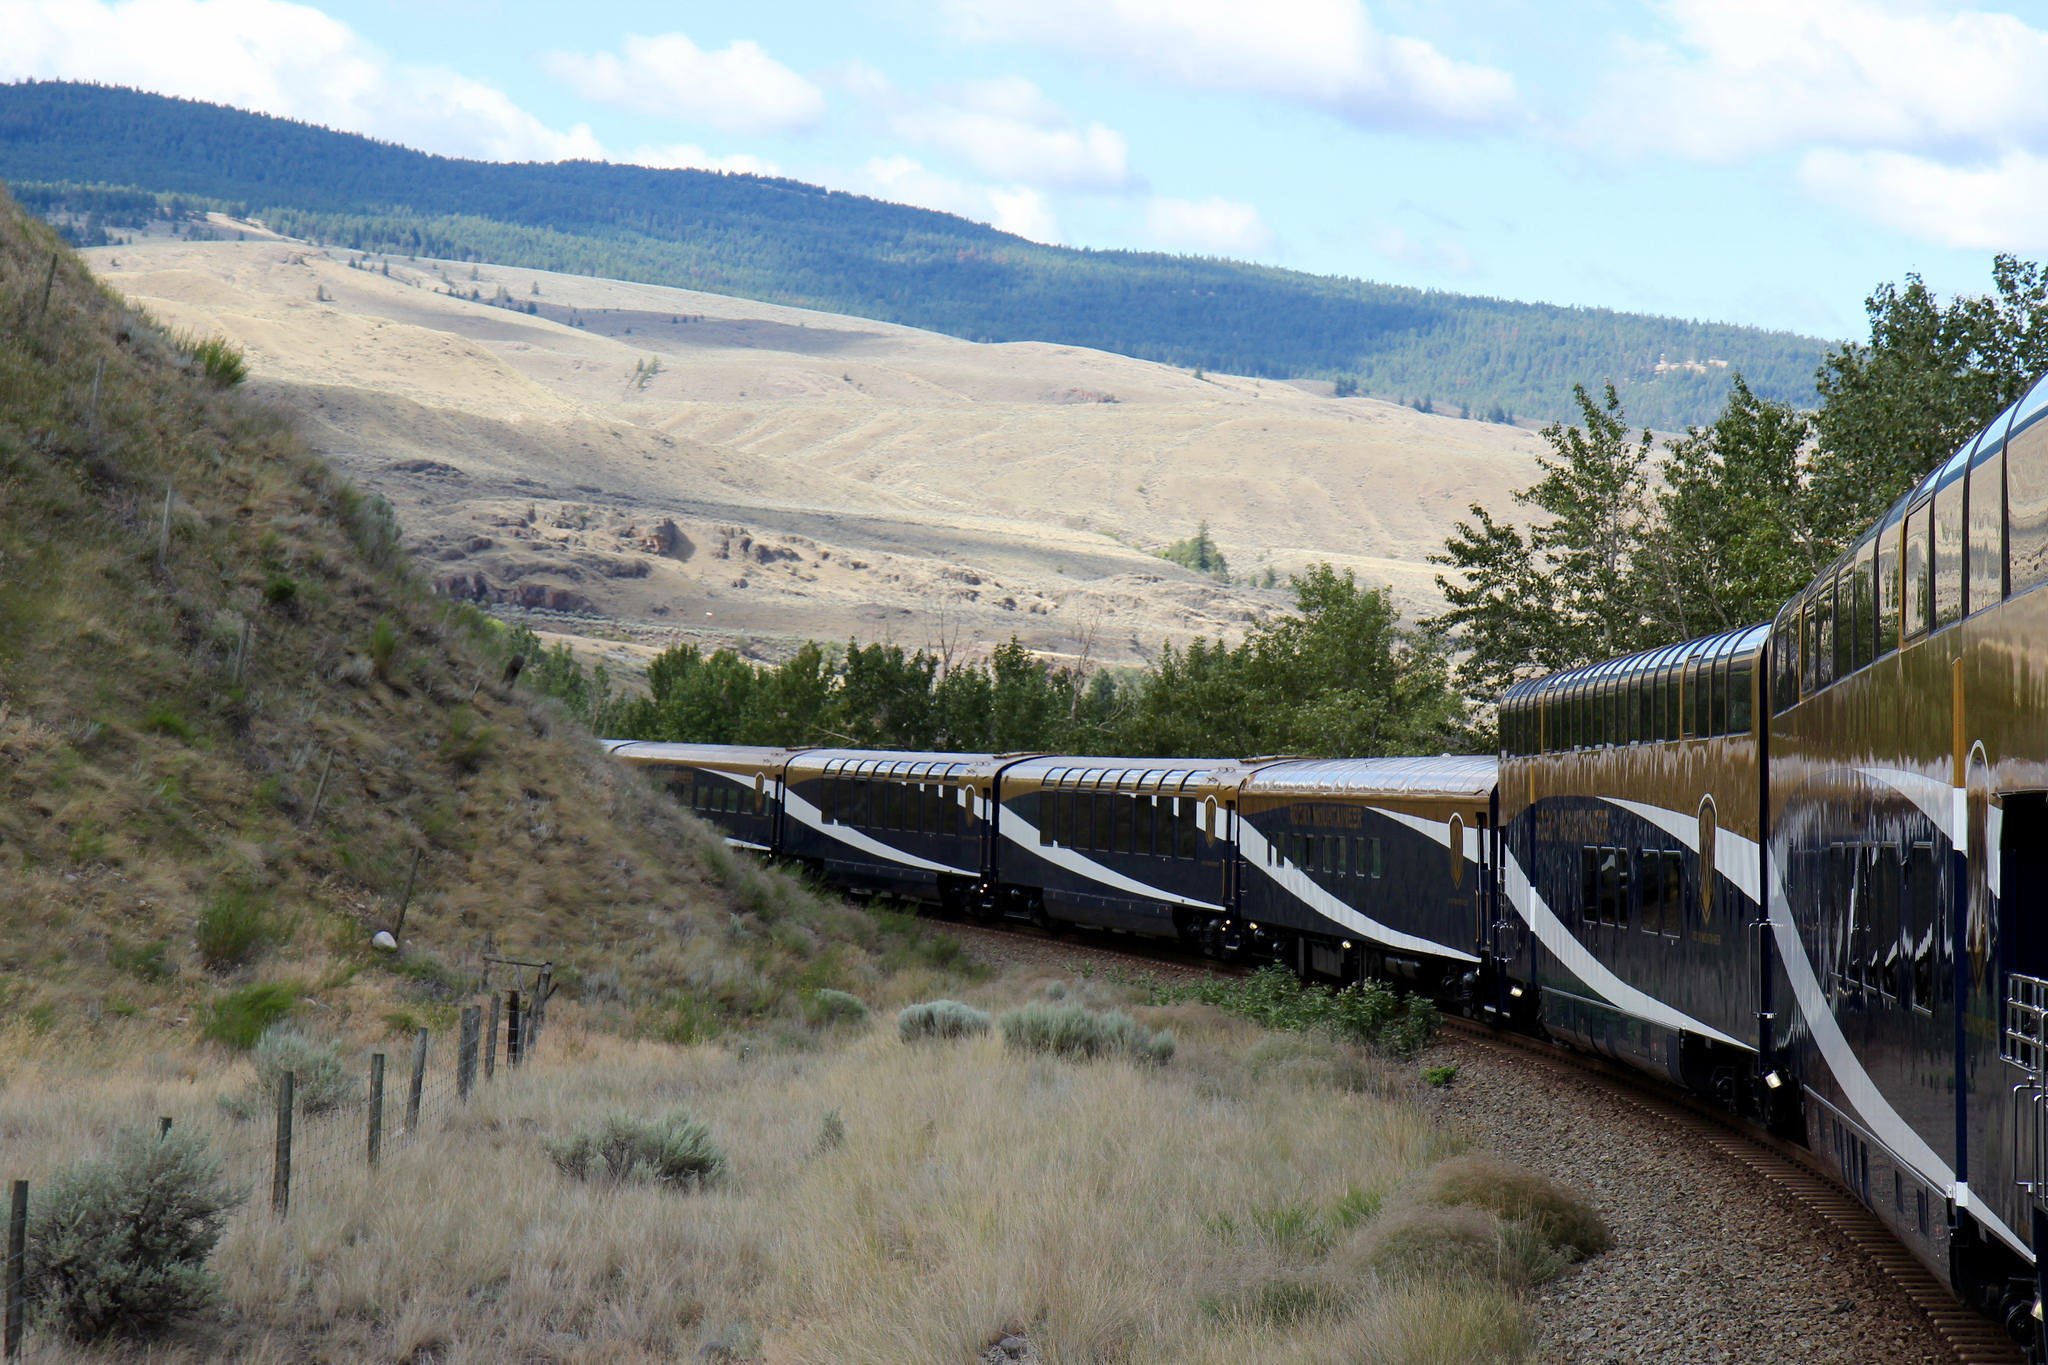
(1709, 825)
(1457, 852)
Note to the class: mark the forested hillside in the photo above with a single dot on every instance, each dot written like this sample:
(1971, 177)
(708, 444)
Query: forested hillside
(102, 158)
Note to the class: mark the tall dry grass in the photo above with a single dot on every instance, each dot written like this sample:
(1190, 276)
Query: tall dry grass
(881, 1202)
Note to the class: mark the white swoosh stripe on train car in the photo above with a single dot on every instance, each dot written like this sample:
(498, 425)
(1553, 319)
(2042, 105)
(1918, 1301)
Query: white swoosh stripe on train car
(1014, 826)
(853, 838)
(1578, 959)
(1861, 1091)
(1255, 849)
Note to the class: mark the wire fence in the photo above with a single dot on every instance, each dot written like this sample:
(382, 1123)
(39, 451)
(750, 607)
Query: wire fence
(302, 1143)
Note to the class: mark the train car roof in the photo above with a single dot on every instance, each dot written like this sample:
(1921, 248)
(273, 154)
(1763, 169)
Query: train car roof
(725, 755)
(1455, 775)
(1742, 640)
(1127, 774)
(894, 763)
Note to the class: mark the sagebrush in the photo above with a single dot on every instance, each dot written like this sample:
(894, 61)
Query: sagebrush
(668, 1149)
(118, 1245)
(940, 1019)
(1077, 1031)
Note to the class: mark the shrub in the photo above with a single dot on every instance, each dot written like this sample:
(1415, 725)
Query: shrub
(383, 647)
(670, 1149)
(281, 590)
(940, 1019)
(220, 362)
(239, 1018)
(320, 1078)
(1365, 1011)
(1428, 1243)
(232, 927)
(1439, 1076)
(144, 960)
(832, 1007)
(1076, 1031)
(118, 1244)
(1558, 1216)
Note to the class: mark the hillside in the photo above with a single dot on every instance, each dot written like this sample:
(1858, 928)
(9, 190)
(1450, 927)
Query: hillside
(819, 476)
(84, 152)
(234, 721)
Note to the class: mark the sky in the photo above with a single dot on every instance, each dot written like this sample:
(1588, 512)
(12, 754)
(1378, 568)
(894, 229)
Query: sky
(1755, 161)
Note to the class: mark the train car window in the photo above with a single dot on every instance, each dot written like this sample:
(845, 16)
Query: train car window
(1102, 835)
(1719, 719)
(1614, 886)
(1377, 866)
(1050, 811)
(1699, 686)
(1589, 884)
(1821, 638)
(1638, 707)
(1917, 596)
(2026, 495)
(1668, 695)
(1890, 546)
(1184, 845)
(1673, 898)
(1924, 923)
(1741, 679)
(1340, 852)
(1863, 603)
(1845, 622)
(1123, 820)
(1986, 575)
(1809, 671)
(1145, 837)
(1949, 544)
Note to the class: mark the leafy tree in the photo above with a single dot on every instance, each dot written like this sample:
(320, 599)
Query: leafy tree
(1198, 552)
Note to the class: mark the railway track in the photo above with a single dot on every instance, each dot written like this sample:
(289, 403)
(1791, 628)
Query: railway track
(1785, 1167)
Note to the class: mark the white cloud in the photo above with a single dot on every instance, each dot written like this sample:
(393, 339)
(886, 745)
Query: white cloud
(1999, 205)
(1018, 209)
(1737, 78)
(682, 156)
(738, 88)
(278, 58)
(1209, 227)
(1007, 129)
(1443, 256)
(1323, 53)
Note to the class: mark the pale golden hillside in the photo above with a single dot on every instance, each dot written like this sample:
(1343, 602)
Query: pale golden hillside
(691, 464)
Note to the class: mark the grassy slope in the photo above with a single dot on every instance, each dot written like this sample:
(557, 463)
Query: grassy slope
(141, 783)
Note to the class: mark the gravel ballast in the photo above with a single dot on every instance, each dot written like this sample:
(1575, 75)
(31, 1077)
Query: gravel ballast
(1706, 1265)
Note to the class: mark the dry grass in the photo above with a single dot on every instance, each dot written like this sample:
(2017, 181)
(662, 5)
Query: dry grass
(882, 1202)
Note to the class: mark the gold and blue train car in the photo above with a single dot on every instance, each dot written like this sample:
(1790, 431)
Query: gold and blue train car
(1372, 866)
(1909, 851)
(1133, 844)
(912, 825)
(1632, 813)
(735, 788)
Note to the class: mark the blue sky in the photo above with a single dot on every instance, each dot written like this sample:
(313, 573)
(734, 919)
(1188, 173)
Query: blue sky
(1738, 160)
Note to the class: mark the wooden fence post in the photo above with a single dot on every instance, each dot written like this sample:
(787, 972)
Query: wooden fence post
(419, 1078)
(465, 1053)
(376, 1107)
(512, 1036)
(405, 901)
(281, 1168)
(17, 1271)
(163, 535)
(320, 792)
(491, 1042)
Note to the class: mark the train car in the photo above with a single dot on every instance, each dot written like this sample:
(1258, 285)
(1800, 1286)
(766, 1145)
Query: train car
(1376, 866)
(1909, 851)
(1139, 845)
(1632, 800)
(737, 789)
(900, 824)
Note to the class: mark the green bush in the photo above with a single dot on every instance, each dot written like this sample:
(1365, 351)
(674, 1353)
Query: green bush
(834, 1008)
(234, 925)
(320, 1078)
(1365, 1011)
(1559, 1217)
(219, 361)
(239, 1018)
(117, 1245)
(1439, 1076)
(147, 961)
(383, 647)
(1077, 1031)
(940, 1019)
(670, 1149)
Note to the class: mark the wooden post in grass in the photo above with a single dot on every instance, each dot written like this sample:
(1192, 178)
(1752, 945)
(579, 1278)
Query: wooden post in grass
(512, 1037)
(17, 1269)
(376, 1107)
(491, 1042)
(92, 421)
(465, 1052)
(419, 1078)
(320, 792)
(163, 535)
(398, 926)
(281, 1165)
(49, 283)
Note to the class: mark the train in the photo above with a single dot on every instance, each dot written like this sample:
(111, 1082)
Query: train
(1796, 867)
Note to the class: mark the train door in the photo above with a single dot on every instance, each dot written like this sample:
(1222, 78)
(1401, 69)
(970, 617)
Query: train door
(2004, 915)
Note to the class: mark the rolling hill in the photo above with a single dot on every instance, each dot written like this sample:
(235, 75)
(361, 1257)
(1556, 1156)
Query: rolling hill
(99, 159)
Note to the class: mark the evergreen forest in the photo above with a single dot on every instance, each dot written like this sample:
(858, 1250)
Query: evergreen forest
(103, 160)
